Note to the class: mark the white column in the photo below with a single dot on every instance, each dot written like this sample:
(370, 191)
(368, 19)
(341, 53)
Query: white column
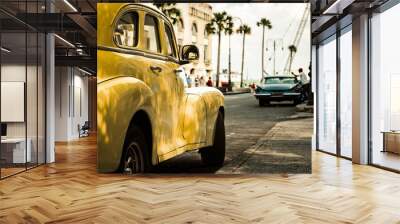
(50, 93)
(360, 90)
(50, 100)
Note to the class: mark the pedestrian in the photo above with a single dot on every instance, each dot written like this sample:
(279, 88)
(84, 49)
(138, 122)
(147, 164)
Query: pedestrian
(202, 81)
(305, 83)
(253, 87)
(189, 81)
(197, 81)
(310, 93)
(304, 79)
(209, 82)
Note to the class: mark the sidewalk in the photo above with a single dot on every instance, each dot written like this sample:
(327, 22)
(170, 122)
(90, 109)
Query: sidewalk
(305, 108)
(286, 148)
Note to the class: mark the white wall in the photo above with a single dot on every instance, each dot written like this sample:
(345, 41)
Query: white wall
(71, 102)
(14, 73)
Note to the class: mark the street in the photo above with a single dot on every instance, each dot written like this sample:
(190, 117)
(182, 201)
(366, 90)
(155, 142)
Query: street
(273, 139)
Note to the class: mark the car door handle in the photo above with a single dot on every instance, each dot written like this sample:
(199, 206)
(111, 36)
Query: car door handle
(156, 69)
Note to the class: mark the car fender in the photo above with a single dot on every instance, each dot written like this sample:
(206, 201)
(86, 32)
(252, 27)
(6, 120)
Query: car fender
(121, 98)
(214, 100)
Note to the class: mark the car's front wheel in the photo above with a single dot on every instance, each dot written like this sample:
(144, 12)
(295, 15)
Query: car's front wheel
(297, 101)
(135, 157)
(215, 154)
(262, 103)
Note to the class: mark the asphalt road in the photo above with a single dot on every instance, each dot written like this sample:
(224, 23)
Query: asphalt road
(245, 124)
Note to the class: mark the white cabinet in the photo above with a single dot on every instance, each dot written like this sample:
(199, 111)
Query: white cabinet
(17, 147)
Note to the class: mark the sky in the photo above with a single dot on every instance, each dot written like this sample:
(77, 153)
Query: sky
(285, 19)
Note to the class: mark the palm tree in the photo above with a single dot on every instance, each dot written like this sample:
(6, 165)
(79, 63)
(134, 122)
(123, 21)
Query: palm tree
(217, 25)
(229, 32)
(169, 9)
(243, 29)
(265, 23)
(292, 50)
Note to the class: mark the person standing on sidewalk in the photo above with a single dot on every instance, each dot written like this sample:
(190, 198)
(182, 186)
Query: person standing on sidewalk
(202, 81)
(209, 82)
(304, 79)
(310, 93)
(305, 83)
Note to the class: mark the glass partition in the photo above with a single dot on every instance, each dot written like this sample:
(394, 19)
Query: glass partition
(346, 93)
(385, 89)
(22, 78)
(14, 145)
(327, 96)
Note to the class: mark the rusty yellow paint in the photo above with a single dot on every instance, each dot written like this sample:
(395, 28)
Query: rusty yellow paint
(181, 119)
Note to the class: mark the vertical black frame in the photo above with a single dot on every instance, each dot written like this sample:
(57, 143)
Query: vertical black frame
(338, 98)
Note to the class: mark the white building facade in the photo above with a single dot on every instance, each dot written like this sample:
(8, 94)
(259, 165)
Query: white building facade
(191, 29)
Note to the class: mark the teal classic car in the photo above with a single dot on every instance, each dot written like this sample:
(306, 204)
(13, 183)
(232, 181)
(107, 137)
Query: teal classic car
(279, 88)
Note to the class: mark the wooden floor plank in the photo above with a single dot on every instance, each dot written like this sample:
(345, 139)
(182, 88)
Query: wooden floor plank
(71, 191)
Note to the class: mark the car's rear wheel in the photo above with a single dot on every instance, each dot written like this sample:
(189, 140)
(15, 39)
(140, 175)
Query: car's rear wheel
(215, 154)
(135, 157)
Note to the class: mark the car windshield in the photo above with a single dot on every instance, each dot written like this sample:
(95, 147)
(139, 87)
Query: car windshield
(280, 80)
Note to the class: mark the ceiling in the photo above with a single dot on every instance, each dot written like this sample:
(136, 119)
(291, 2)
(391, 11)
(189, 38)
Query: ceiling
(74, 22)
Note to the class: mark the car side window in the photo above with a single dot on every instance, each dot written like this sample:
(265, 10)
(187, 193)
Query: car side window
(126, 30)
(151, 34)
(171, 47)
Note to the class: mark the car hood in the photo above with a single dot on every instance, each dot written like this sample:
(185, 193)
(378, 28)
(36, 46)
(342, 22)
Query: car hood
(275, 87)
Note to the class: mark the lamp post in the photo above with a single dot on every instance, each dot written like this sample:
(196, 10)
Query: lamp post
(229, 57)
(275, 44)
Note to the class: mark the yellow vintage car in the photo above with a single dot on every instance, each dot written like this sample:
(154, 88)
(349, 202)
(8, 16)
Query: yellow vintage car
(145, 115)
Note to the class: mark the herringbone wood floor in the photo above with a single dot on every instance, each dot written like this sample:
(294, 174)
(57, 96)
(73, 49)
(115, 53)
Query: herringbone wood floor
(71, 191)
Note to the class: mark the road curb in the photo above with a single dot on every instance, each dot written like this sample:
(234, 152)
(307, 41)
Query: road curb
(305, 108)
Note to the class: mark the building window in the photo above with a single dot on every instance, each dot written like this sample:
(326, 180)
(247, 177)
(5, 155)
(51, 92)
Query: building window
(194, 29)
(181, 27)
(194, 33)
(205, 54)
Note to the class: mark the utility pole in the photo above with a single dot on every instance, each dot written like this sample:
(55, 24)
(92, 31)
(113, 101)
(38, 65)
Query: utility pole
(276, 43)
(229, 67)
(274, 57)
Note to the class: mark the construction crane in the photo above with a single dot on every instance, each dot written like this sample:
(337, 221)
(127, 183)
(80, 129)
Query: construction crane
(299, 34)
